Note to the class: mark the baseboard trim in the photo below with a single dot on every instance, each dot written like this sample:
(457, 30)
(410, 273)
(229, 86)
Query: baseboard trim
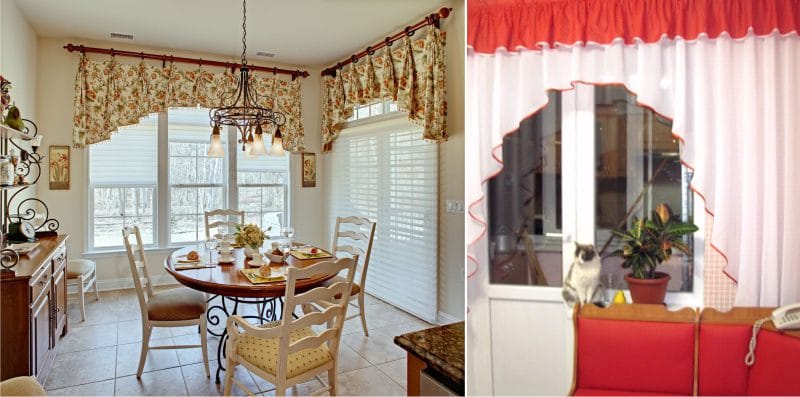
(443, 318)
(127, 283)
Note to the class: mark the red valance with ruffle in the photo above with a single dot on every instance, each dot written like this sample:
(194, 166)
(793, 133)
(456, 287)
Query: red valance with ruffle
(532, 24)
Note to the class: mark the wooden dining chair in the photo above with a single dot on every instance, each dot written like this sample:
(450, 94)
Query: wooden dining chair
(353, 236)
(289, 352)
(226, 216)
(177, 307)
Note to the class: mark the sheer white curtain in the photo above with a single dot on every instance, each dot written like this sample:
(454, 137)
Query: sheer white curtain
(733, 103)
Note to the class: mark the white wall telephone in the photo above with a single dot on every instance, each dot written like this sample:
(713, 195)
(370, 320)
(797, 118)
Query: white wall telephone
(787, 317)
(784, 318)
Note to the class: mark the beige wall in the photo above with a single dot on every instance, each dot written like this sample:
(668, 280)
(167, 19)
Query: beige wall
(18, 60)
(56, 76)
(451, 172)
(18, 57)
(451, 169)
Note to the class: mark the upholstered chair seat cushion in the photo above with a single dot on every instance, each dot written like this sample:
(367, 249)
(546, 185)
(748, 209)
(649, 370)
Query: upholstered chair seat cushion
(354, 290)
(79, 267)
(21, 386)
(263, 353)
(176, 304)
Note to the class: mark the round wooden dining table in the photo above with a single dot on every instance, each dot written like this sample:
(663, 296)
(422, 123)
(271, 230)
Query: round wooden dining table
(226, 279)
(230, 288)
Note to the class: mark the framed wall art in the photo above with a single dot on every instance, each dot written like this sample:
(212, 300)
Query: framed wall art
(59, 167)
(309, 170)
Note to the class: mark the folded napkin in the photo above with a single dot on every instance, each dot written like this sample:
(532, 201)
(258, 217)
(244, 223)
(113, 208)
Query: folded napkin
(184, 260)
(188, 267)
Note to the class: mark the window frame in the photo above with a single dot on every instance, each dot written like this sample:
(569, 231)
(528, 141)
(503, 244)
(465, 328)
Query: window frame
(578, 114)
(162, 191)
(224, 184)
(91, 225)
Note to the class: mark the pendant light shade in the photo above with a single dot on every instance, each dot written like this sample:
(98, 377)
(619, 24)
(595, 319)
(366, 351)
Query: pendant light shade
(216, 149)
(257, 148)
(277, 143)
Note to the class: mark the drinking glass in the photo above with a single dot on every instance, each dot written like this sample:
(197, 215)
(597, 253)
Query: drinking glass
(287, 232)
(210, 245)
(610, 283)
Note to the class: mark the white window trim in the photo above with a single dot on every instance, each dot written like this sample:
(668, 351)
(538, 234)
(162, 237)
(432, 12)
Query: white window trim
(161, 229)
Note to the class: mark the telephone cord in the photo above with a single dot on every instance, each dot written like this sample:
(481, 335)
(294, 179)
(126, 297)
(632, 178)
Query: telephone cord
(750, 358)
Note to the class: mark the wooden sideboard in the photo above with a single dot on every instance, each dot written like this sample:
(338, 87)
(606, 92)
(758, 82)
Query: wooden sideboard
(33, 310)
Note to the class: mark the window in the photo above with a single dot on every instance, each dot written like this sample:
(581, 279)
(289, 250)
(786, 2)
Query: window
(386, 172)
(625, 168)
(373, 109)
(262, 190)
(123, 181)
(196, 182)
(126, 187)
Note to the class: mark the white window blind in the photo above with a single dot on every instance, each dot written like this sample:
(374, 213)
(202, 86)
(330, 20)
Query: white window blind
(122, 184)
(131, 157)
(387, 173)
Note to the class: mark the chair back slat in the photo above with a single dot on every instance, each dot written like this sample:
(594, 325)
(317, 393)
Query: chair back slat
(332, 316)
(226, 215)
(353, 235)
(358, 234)
(310, 342)
(356, 220)
(316, 318)
(139, 269)
(353, 251)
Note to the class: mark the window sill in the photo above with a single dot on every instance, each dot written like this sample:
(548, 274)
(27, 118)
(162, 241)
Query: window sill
(112, 252)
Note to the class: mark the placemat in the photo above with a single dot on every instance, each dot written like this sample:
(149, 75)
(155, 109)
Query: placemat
(305, 253)
(256, 278)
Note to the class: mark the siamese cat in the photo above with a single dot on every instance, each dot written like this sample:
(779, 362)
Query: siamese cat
(583, 279)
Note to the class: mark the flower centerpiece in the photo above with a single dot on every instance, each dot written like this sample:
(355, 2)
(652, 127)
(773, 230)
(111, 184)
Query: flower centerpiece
(251, 237)
(648, 243)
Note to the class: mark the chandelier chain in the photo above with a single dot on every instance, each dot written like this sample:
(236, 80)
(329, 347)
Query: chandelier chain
(244, 32)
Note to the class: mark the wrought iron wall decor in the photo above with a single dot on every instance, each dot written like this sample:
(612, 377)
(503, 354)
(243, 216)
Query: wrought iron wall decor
(28, 168)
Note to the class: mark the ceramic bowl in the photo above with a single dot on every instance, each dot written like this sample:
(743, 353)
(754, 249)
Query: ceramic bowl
(275, 258)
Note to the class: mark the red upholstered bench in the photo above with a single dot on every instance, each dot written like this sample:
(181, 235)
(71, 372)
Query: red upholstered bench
(634, 350)
(723, 344)
(647, 350)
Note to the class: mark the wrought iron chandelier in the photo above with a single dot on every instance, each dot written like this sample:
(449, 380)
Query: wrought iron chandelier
(245, 114)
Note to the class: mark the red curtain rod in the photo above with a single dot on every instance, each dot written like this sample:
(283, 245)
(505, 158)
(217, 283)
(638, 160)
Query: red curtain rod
(169, 58)
(432, 19)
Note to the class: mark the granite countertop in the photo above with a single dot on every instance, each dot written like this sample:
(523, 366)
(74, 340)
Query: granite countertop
(442, 348)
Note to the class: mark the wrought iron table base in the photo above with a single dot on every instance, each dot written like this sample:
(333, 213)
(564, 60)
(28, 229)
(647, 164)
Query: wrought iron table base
(268, 313)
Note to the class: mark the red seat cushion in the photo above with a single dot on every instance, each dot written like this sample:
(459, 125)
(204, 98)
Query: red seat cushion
(636, 356)
(722, 371)
(603, 392)
(776, 371)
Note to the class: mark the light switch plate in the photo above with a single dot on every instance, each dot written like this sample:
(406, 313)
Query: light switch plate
(455, 206)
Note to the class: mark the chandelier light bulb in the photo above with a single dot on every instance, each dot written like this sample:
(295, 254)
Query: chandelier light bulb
(258, 148)
(277, 144)
(216, 149)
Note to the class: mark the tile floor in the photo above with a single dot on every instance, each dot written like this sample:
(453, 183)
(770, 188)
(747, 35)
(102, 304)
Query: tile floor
(100, 356)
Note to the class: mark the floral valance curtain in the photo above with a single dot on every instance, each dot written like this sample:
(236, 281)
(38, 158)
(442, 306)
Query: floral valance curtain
(412, 74)
(109, 95)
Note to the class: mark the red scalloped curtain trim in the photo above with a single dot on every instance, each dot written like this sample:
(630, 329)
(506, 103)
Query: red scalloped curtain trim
(532, 24)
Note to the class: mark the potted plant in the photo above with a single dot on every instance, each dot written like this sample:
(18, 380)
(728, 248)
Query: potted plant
(648, 243)
(251, 237)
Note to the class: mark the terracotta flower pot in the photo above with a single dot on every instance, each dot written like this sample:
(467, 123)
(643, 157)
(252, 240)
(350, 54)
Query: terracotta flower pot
(652, 291)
